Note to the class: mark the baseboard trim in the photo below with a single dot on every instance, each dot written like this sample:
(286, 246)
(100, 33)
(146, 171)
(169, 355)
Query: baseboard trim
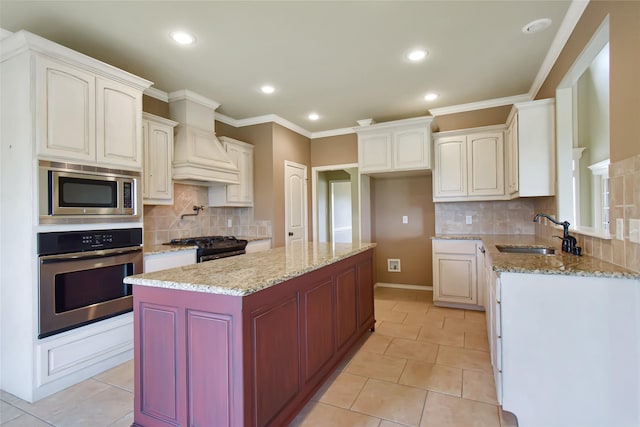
(403, 286)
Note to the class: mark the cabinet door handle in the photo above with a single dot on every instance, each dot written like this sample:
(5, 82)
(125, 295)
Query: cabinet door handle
(481, 248)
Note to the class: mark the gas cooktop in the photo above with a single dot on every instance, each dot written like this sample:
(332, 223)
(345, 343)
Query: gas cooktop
(213, 247)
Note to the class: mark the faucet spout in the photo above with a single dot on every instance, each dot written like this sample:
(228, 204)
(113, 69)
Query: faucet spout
(564, 224)
(568, 242)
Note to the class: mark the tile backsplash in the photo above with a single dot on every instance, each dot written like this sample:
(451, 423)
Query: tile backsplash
(163, 223)
(624, 182)
(493, 217)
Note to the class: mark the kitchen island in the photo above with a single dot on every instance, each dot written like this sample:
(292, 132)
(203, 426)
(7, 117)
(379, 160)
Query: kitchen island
(247, 340)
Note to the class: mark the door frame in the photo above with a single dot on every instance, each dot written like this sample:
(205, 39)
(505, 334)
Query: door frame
(288, 163)
(314, 191)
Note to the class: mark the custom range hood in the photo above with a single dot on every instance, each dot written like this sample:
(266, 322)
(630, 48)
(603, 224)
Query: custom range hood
(199, 157)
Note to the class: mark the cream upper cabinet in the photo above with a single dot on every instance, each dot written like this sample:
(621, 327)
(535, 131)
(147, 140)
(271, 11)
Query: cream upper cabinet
(157, 137)
(533, 137)
(118, 124)
(469, 165)
(241, 154)
(511, 156)
(85, 118)
(455, 273)
(66, 101)
(403, 145)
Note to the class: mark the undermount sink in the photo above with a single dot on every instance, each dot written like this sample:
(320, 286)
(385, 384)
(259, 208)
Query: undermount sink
(539, 250)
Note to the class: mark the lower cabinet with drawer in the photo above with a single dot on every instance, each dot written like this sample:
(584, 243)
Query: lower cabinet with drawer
(456, 275)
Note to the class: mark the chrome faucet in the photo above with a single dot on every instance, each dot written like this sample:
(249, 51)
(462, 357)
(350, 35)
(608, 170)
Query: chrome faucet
(569, 243)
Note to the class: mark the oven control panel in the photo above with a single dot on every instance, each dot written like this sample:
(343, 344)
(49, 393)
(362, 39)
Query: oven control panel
(61, 242)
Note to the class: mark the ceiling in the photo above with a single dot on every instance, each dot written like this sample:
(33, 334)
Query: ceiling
(343, 60)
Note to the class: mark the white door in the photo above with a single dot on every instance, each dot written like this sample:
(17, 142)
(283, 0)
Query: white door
(295, 202)
(341, 217)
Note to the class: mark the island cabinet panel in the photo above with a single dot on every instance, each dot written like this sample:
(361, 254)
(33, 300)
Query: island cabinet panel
(318, 328)
(276, 379)
(205, 359)
(346, 308)
(365, 294)
(159, 327)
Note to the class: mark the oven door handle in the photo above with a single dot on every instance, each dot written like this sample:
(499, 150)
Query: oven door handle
(88, 254)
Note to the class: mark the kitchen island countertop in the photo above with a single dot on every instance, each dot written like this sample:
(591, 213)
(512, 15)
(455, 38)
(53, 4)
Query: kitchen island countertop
(559, 263)
(249, 273)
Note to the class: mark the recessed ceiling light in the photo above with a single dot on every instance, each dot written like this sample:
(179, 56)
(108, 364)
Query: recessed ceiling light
(183, 38)
(417, 55)
(313, 116)
(267, 89)
(431, 96)
(536, 26)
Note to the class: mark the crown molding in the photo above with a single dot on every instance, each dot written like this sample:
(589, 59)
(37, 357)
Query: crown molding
(576, 8)
(332, 132)
(480, 105)
(158, 94)
(267, 118)
(4, 33)
(186, 94)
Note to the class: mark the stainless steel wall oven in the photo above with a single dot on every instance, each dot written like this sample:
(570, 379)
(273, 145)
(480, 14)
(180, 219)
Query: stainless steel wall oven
(81, 275)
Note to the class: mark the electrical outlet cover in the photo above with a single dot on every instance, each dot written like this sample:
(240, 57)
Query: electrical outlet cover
(634, 230)
(393, 265)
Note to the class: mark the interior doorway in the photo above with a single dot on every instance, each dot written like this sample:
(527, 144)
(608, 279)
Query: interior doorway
(336, 203)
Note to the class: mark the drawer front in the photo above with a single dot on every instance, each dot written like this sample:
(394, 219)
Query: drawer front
(455, 246)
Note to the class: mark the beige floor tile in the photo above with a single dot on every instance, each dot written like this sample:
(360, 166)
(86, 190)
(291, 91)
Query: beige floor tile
(443, 312)
(101, 409)
(448, 411)
(385, 423)
(320, 415)
(380, 304)
(390, 316)
(464, 325)
(479, 386)
(391, 402)
(26, 420)
(429, 376)
(342, 390)
(422, 319)
(475, 316)
(412, 306)
(376, 343)
(464, 358)
(442, 336)
(411, 349)
(119, 376)
(8, 412)
(398, 330)
(375, 365)
(58, 404)
(125, 421)
(402, 294)
(476, 341)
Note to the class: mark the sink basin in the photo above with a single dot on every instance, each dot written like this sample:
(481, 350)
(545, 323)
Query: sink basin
(539, 250)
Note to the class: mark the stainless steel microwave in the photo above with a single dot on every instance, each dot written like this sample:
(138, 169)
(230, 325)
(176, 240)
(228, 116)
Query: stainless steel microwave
(74, 190)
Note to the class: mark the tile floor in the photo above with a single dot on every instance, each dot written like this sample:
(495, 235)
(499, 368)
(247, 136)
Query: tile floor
(424, 366)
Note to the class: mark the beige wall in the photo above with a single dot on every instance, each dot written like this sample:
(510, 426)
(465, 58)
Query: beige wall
(624, 39)
(411, 243)
(472, 119)
(155, 106)
(288, 145)
(334, 150)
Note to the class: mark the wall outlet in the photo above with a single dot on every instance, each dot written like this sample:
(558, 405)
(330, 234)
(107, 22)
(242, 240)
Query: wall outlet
(393, 265)
(634, 230)
(229, 223)
(405, 219)
(469, 220)
(619, 228)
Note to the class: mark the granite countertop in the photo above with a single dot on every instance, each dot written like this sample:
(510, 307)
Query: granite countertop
(559, 263)
(162, 248)
(245, 274)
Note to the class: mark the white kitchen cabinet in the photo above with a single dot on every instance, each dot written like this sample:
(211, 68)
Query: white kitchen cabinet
(171, 259)
(455, 273)
(469, 165)
(533, 153)
(85, 118)
(399, 146)
(241, 194)
(157, 137)
(511, 156)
